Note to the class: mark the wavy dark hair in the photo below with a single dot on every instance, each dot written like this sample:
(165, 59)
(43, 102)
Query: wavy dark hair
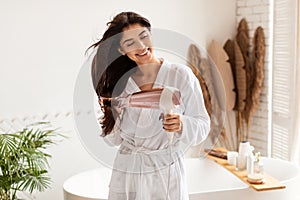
(109, 65)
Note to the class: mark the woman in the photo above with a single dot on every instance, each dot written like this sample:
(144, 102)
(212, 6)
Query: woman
(125, 63)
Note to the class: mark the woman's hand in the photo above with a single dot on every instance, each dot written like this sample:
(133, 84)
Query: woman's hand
(172, 122)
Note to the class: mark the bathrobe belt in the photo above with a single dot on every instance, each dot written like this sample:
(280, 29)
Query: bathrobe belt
(133, 159)
(144, 150)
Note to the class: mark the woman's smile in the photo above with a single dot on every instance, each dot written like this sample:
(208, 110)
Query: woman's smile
(144, 53)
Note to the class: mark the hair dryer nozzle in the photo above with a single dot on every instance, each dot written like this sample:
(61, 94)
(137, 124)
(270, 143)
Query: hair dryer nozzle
(169, 99)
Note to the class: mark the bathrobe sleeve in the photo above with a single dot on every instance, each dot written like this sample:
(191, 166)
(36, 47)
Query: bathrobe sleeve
(114, 138)
(195, 119)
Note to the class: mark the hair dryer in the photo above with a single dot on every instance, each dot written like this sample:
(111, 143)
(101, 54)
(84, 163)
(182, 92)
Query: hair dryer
(159, 98)
(165, 99)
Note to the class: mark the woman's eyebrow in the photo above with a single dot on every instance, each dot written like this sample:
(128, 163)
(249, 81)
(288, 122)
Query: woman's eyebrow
(142, 32)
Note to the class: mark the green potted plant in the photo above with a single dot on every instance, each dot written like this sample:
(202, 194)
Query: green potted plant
(23, 160)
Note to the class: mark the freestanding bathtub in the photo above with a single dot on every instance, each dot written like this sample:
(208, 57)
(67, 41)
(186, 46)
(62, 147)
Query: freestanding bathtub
(205, 178)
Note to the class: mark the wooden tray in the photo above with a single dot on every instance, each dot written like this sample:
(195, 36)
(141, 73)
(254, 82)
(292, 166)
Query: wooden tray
(269, 184)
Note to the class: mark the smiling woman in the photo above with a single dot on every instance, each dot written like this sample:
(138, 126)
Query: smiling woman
(148, 164)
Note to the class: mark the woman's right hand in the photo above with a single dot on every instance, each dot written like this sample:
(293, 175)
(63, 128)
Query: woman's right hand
(172, 122)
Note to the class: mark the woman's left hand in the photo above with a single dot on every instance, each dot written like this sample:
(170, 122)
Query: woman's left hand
(172, 122)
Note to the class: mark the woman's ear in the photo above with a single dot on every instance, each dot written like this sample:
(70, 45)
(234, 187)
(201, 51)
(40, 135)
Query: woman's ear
(121, 51)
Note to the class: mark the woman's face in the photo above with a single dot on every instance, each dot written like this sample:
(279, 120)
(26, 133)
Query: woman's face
(136, 44)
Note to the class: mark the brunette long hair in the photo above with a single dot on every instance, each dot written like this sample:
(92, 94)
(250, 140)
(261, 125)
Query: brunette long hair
(109, 65)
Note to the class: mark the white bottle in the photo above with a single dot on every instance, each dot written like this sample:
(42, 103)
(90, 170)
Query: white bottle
(243, 152)
(250, 161)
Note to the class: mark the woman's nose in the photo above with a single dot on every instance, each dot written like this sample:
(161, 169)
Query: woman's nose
(140, 45)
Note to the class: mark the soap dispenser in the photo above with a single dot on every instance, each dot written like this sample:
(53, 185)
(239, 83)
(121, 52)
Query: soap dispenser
(258, 165)
(257, 177)
(250, 161)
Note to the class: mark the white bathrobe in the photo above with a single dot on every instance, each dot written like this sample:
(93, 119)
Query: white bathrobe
(146, 167)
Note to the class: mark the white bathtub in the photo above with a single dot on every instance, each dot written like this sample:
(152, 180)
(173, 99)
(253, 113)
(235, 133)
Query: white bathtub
(205, 178)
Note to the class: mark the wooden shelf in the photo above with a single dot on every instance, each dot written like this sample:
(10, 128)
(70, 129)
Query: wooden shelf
(269, 184)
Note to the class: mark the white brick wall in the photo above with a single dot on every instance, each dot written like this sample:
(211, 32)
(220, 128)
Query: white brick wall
(258, 13)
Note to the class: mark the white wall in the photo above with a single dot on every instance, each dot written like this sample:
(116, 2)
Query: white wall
(42, 49)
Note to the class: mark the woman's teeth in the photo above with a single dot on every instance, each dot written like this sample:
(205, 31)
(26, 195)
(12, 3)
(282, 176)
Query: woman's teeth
(144, 53)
